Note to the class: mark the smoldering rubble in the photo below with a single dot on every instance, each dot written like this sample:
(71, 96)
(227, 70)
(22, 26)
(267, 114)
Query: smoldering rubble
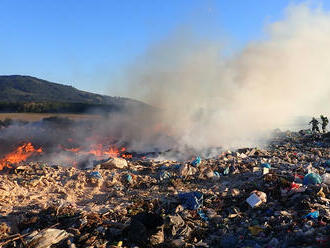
(251, 197)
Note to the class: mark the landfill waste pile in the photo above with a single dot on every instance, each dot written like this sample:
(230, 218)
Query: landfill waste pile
(273, 197)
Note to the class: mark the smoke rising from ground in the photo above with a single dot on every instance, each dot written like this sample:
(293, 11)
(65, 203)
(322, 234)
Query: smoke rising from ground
(206, 99)
(209, 100)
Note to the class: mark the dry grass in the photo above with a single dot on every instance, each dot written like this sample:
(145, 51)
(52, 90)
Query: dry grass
(37, 116)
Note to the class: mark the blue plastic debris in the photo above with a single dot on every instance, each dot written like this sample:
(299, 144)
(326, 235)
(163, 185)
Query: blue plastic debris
(163, 175)
(312, 215)
(191, 200)
(266, 165)
(176, 166)
(196, 161)
(216, 174)
(226, 171)
(173, 166)
(202, 215)
(320, 144)
(95, 174)
(129, 178)
(312, 178)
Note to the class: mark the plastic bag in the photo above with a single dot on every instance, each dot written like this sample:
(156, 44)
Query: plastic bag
(191, 200)
(312, 178)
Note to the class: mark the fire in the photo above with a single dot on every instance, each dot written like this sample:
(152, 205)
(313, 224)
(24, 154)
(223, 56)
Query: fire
(21, 153)
(112, 152)
(100, 150)
(98, 146)
(96, 149)
(127, 156)
(72, 149)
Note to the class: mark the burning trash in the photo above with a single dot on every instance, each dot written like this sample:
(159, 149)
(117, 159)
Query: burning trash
(20, 154)
(126, 201)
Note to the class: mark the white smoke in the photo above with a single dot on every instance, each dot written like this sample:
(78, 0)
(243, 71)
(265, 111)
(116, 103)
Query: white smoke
(210, 100)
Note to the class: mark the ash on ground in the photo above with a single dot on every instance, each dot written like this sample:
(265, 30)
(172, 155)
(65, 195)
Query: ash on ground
(272, 197)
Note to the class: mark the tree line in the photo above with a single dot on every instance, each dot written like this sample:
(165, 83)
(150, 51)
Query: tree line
(54, 107)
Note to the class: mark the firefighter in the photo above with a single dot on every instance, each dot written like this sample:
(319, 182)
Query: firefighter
(325, 122)
(315, 127)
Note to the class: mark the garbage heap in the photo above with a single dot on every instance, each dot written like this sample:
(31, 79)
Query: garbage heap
(272, 197)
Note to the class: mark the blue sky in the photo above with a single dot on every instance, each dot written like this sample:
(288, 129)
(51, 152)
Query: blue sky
(87, 43)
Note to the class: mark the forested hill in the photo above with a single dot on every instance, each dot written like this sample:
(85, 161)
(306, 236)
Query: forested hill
(30, 94)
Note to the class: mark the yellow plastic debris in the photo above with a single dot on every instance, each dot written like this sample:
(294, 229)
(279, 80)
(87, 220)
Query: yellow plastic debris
(255, 230)
(321, 193)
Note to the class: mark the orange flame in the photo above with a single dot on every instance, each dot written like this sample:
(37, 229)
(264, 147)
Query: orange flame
(72, 149)
(21, 153)
(100, 150)
(96, 149)
(127, 156)
(112, 152)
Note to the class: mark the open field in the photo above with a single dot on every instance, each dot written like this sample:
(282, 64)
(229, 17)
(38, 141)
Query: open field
(39, 116)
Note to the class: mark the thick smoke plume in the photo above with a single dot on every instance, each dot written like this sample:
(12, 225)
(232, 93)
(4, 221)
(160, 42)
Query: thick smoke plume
(207, 99)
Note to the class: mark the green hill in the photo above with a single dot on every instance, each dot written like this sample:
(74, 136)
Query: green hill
(30, 94)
